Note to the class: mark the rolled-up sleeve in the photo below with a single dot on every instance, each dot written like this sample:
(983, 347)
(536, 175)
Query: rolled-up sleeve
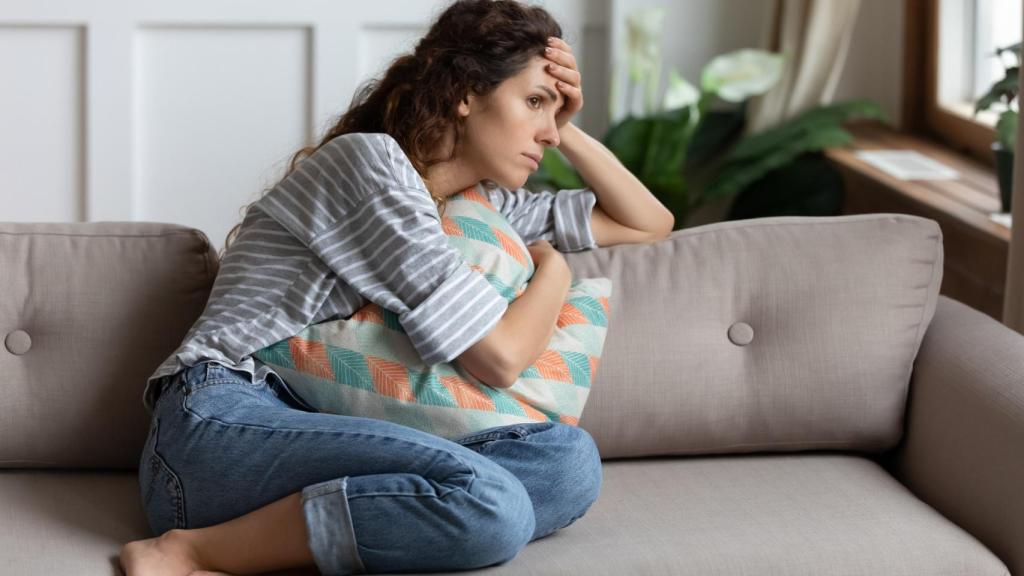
(562, 218)
(386, 241)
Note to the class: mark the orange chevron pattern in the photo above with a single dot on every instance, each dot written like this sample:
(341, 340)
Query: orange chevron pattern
(531, 412)
(571, 315)
(310, 357)
(607, 307)
(390, 378)
(369, 313)
(550, 365)
(509, 245)
(594, 361)
(467, 395)
(565, 419)
(472, 194)
(450, 227)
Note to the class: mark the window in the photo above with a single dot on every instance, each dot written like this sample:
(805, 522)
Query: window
(970, 31)
(950, 62)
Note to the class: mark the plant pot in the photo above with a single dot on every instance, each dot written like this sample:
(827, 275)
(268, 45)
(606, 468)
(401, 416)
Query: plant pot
(1004, 171)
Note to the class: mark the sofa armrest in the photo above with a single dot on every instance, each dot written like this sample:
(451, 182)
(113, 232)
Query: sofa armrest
(963, 449)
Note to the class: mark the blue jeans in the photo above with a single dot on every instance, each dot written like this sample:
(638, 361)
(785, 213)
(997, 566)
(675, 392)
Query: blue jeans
(376, 496)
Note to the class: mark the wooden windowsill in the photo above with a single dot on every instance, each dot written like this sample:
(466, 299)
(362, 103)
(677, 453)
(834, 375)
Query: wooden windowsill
(975, 246)
(970, 198)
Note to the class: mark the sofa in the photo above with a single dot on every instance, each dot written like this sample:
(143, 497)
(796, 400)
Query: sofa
(784, 395)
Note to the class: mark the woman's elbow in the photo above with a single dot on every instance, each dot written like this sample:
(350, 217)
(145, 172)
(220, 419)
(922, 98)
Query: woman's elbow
(487, 361)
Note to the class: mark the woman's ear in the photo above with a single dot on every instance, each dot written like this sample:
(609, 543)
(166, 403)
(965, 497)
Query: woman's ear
(464, 105)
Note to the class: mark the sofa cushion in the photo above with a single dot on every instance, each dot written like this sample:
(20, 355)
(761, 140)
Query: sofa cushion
(770, 334)
(765, 514)
(89, 310)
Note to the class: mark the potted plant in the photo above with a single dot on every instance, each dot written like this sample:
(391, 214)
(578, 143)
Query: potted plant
(690, 149)
(1004, 92)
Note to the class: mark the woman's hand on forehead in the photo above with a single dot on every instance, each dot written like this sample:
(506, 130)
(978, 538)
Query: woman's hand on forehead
(563, 68)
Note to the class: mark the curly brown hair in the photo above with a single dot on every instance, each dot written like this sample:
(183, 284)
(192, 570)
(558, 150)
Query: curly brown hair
(473, 46)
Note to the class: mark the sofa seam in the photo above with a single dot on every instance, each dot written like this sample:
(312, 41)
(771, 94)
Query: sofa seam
(76, 235)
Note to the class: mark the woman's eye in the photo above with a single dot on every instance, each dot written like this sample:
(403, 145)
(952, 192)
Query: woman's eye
(533, 99)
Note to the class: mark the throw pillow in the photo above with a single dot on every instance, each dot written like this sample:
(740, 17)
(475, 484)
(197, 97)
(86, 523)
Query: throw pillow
(366, 365)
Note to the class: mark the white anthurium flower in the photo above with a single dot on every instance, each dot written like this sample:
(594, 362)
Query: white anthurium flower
(679, 93)
(738, 75)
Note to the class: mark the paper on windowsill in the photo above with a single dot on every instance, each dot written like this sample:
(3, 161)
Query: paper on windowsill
(1004, 218)
(907, 165)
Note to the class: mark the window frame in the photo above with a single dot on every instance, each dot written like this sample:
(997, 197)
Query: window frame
(922, 114)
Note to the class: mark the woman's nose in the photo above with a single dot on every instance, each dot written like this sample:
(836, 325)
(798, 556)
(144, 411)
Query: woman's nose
(549, 135)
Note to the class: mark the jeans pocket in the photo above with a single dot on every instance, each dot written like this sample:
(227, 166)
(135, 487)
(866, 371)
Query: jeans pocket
(480, 440)
(162, 496)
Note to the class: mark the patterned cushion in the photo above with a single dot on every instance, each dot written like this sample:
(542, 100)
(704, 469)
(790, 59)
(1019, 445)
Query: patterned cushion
(366, 365)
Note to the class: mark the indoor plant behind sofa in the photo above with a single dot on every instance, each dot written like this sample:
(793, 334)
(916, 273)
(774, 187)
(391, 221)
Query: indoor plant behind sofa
(765, 361)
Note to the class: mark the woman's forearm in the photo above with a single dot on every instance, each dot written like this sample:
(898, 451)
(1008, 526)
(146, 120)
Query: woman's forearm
(619, 193)
(530, 320)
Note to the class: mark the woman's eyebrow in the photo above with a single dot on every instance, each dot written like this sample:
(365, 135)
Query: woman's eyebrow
(551, 93)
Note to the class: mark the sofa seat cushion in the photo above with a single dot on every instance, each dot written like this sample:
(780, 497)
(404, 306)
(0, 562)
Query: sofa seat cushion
(67, 522)
(788, 514)
(769, 514)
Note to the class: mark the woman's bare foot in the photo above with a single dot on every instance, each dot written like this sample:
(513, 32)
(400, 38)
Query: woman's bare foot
(166, 555)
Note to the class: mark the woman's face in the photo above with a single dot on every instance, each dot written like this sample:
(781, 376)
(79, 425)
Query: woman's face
(512, 123)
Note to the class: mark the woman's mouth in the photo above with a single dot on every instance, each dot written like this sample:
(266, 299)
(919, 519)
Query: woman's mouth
(533, 160)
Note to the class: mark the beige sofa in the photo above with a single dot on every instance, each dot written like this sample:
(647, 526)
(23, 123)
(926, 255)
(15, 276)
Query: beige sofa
(785, 395)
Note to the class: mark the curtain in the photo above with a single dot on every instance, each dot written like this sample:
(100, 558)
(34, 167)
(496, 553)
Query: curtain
(815, 37)
(1013, 297)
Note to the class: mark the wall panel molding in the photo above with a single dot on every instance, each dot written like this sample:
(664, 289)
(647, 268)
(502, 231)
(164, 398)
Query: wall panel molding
(186, 111)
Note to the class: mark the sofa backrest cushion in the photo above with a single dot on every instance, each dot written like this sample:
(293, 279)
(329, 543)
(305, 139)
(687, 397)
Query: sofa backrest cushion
(89, 310)
(771, 334)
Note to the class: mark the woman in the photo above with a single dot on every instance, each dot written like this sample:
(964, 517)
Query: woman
(238, 474)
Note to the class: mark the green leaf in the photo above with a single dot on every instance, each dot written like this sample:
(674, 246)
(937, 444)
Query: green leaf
(628, 141)
(1012, 49)
(816, 119)
(1005, 89)
(667, 143)
(715, 131)
(557, 171)
(739, 173)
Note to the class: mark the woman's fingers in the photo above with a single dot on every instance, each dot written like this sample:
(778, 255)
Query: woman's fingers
(564, 74)
(560, 52)
(573, 95)
(563, 67)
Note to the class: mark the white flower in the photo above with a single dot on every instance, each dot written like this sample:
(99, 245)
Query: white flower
(643, 33)
(739, 75)
(679, 93)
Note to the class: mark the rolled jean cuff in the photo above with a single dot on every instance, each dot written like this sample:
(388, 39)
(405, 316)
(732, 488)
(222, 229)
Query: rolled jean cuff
(332, 538)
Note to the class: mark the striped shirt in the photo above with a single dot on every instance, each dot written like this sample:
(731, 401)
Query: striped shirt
(354, 223)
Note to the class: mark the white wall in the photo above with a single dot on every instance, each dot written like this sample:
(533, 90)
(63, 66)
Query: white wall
(185, 111)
